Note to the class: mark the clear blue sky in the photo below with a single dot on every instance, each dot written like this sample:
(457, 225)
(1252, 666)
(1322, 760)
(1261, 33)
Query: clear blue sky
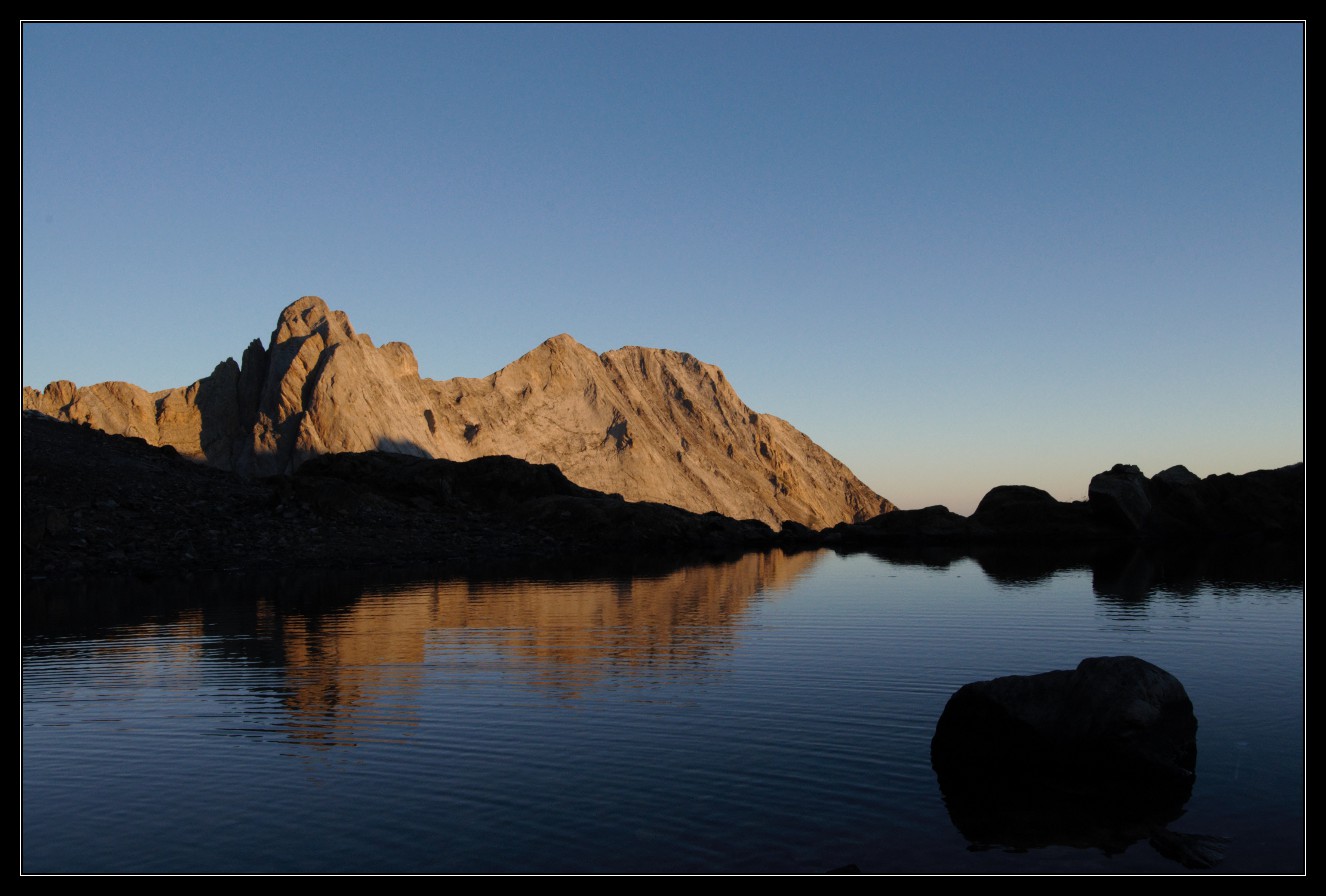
(956, 256)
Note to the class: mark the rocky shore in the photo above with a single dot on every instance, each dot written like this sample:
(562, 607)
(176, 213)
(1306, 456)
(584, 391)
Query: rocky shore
(1123, 504)
(99, 506)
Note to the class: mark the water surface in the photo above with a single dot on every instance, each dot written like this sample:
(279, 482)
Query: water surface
(769, 715)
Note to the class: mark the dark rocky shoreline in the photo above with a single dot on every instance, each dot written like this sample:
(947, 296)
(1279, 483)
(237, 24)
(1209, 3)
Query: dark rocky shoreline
(102, 507)
(105, 506)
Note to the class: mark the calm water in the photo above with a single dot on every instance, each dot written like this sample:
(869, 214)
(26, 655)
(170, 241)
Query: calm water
(771, 715)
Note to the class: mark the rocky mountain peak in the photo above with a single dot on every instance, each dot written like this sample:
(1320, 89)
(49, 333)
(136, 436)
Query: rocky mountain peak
(561, 342)
(300, 318)
(649, 424)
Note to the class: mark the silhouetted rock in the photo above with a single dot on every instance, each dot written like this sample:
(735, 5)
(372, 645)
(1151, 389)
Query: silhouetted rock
(97, 505)
(1022, 512)
(1265, 503)
(1019, 526)
(1014, 500)
(1119, 497)
(1176, 505)
(1111, 722)
(794, 532)
(934, 524)
(1101, 755)
(1174, 477)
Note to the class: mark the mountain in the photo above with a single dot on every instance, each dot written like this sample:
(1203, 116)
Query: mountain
(649, 424)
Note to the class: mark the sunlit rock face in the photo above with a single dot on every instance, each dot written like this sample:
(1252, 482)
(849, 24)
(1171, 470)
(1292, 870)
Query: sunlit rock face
(649, 424)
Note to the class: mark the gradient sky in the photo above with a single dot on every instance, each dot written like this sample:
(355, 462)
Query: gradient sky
(956, 256)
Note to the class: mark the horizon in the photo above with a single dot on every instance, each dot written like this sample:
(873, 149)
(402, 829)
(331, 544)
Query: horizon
(954, 256)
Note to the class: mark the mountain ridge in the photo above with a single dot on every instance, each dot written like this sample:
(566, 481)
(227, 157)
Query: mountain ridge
(649, 424)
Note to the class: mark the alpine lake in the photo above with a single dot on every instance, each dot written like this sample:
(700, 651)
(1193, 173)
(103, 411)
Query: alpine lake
(771, 715)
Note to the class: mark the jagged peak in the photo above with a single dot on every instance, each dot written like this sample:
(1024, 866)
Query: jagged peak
(402, 359)
(561, 341)
(558, 353)
(648, 351)
(560, 345)
(665, 358)
(309, 314)
(309, 309)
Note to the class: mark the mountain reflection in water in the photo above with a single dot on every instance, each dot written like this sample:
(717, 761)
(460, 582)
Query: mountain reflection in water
(558, 636)
(772, 714)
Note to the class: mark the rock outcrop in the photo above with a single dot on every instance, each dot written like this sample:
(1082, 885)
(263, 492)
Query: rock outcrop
(1119, 495)
(113, 508)
(1111, 723)
(1098, 756)
(649, 424)
(1174, 506)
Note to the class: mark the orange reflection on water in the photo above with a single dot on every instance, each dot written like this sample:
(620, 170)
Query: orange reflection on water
(564, 636)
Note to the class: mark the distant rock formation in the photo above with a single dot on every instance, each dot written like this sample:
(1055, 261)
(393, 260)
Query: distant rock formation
(649, 424)
(1123, 506)
(1175, 503)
